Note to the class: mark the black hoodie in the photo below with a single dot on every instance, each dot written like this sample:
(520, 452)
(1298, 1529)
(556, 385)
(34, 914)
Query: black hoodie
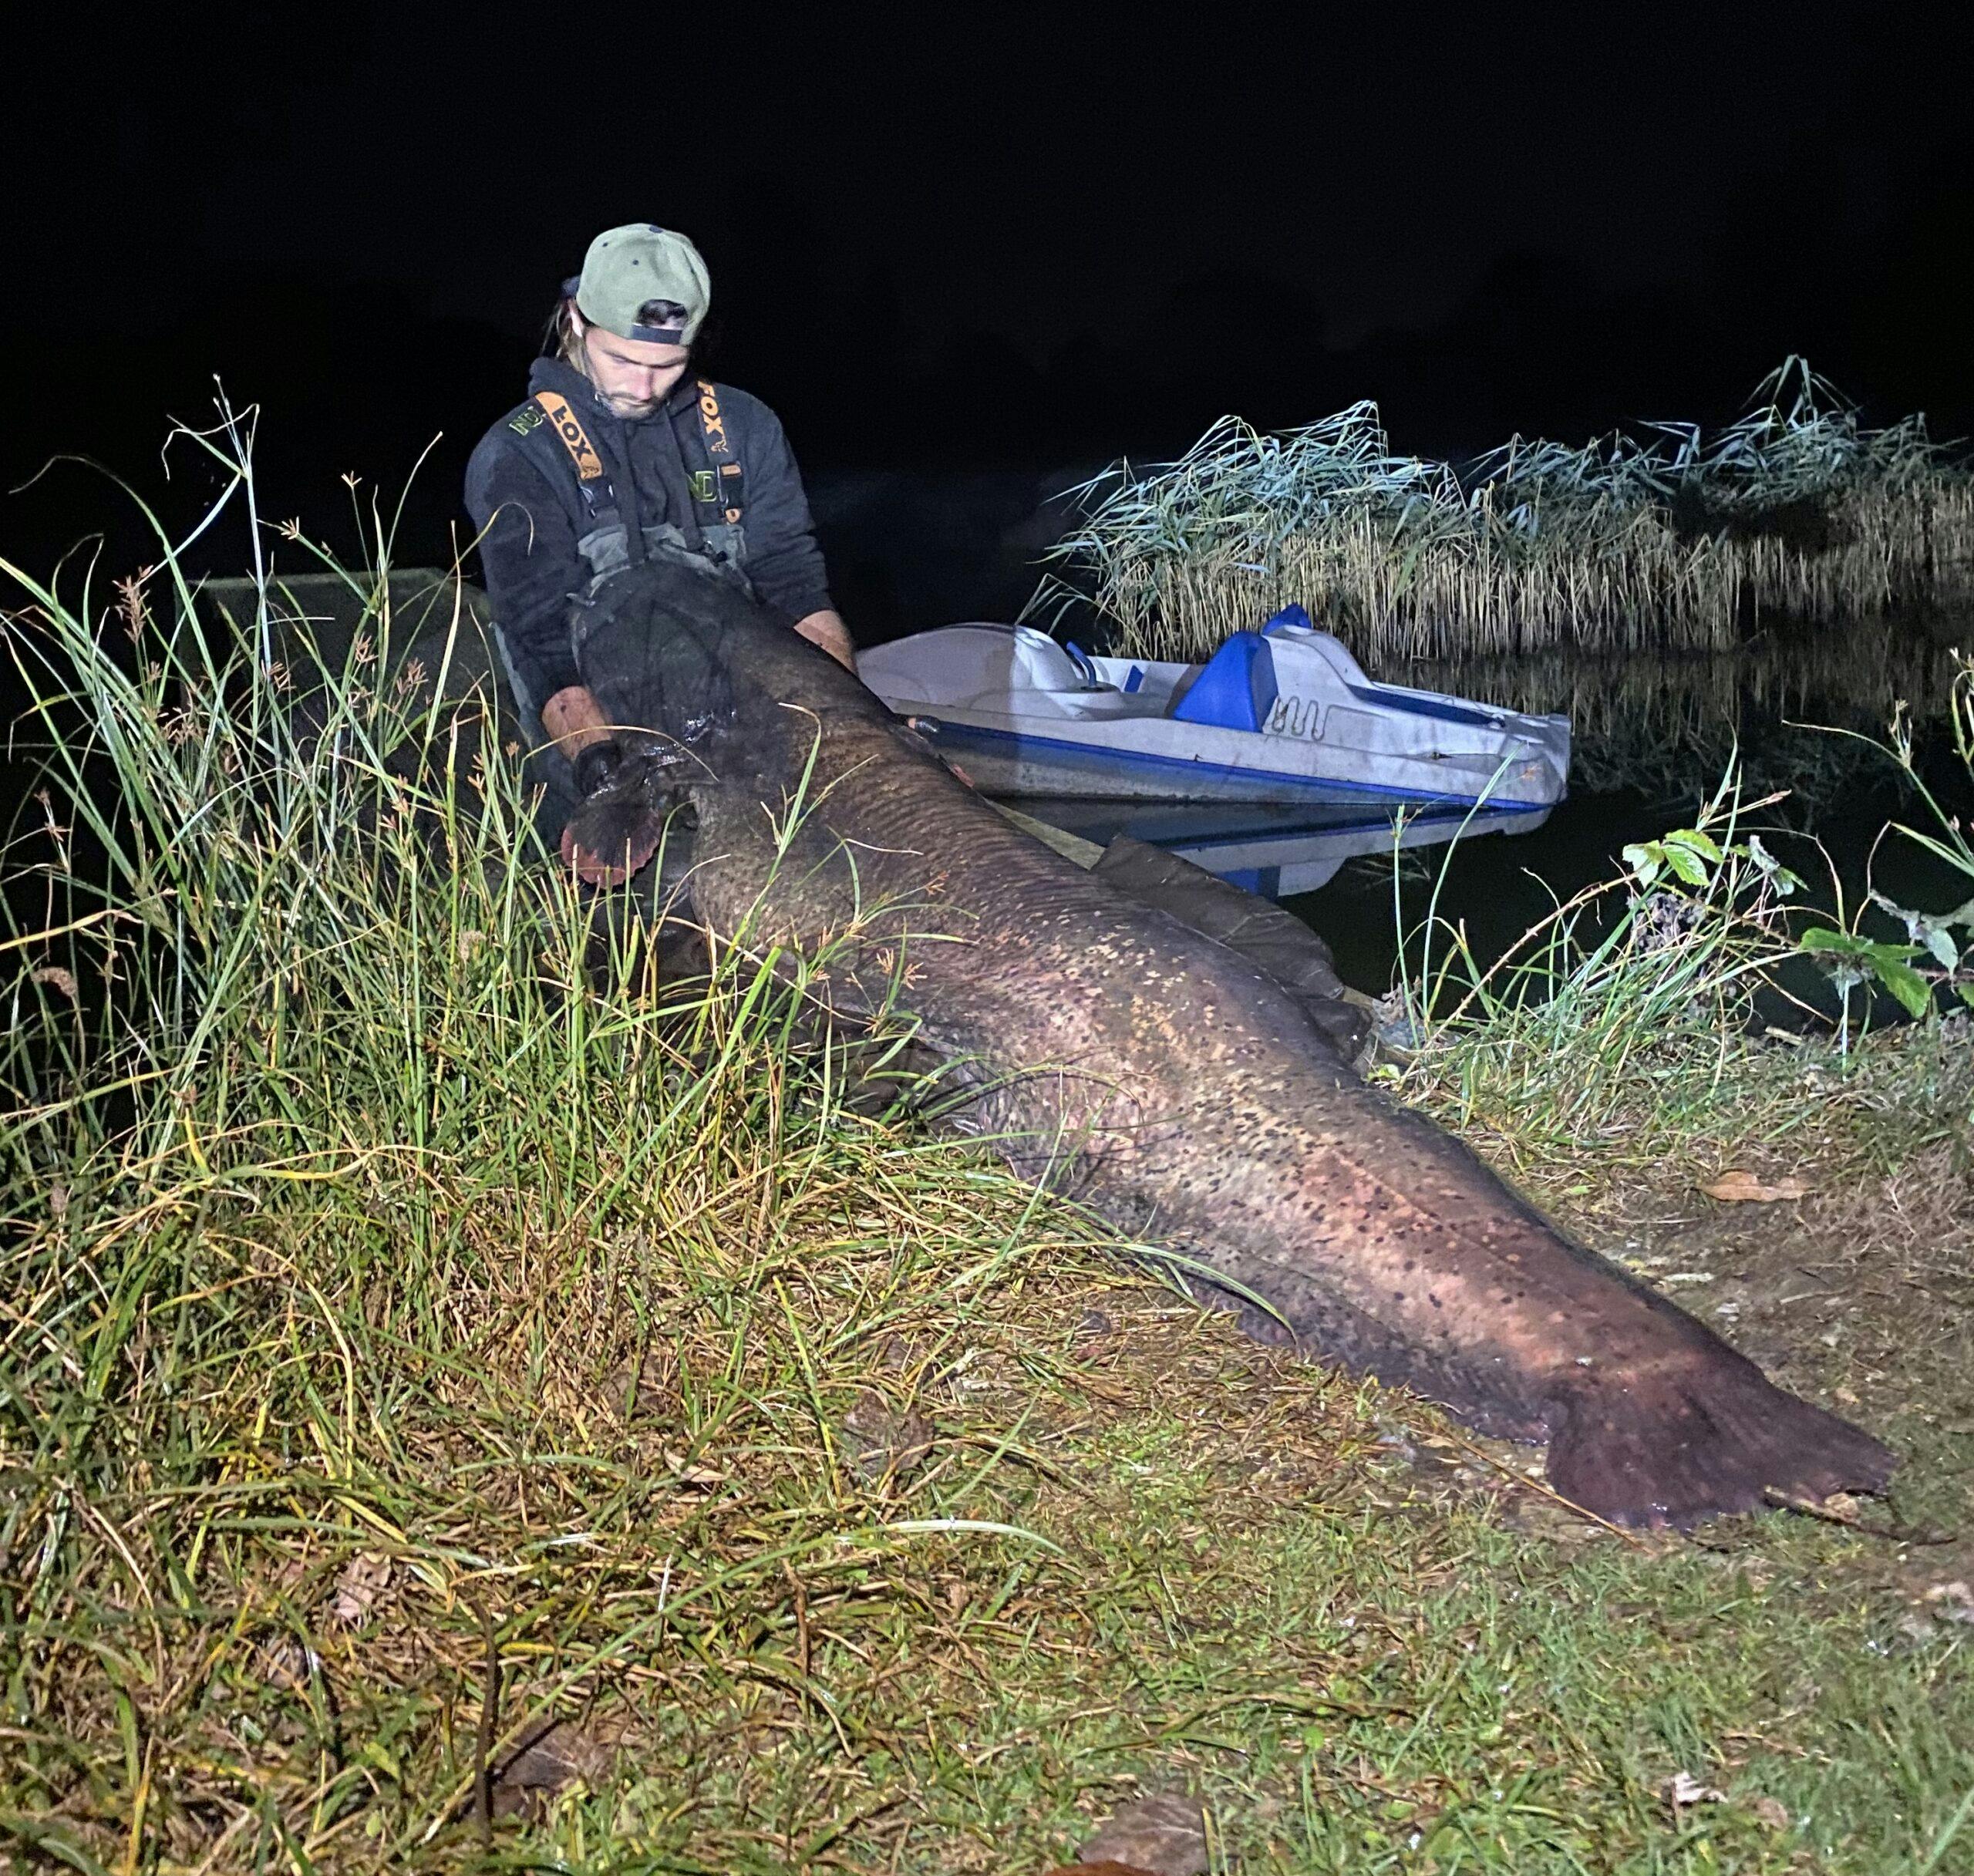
(529, 521)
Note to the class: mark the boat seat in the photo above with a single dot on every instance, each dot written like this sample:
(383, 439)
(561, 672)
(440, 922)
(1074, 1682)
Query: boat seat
(1235, 689)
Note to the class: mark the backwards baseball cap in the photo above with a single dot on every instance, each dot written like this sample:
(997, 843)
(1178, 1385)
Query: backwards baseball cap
(627, 268)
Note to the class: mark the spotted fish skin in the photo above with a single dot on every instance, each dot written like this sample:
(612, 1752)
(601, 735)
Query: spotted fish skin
(1168, 1083)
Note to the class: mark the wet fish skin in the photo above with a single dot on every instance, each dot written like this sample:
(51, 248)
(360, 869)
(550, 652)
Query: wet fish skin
(1167, 1082)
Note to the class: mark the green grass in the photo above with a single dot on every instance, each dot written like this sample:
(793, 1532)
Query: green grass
(429, 1315)
(1668, 538)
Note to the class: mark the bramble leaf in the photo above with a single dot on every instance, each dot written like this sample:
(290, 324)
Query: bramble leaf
(1645, 860)
(1905, 983)
(1684, 854)
(1694, 841)
(1779, 876)
(1686, 864)
(1851, 960)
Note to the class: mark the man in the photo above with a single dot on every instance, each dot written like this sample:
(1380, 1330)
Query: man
(619, 451)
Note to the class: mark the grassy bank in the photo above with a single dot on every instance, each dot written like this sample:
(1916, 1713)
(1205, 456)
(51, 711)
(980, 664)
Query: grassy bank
(1667, 539)
(474, 1396)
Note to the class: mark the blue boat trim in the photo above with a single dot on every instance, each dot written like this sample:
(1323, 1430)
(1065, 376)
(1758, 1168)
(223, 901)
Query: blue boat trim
(1426, 706)
(1454, 812)
(959, 732)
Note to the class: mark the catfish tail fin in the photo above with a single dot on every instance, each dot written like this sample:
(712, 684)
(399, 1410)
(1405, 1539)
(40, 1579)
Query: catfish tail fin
(1696, 1440)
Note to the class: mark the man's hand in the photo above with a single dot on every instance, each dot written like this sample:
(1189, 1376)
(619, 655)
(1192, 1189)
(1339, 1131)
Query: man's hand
(826, 628)
(574, 719)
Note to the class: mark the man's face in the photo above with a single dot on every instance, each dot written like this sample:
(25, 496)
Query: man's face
(633, 376)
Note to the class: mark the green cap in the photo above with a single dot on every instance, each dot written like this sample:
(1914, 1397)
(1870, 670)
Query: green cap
(627, 268)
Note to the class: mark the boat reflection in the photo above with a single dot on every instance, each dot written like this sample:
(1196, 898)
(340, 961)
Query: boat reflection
(1279, 851)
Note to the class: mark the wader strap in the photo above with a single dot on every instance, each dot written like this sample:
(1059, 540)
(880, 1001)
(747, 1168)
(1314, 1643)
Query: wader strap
(718, 485)
(592, 480)
(551, 411)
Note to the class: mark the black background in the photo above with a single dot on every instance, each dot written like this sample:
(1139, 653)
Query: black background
(957, 248)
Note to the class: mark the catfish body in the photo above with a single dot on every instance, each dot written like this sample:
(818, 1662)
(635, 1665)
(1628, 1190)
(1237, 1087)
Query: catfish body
(1167, 1083)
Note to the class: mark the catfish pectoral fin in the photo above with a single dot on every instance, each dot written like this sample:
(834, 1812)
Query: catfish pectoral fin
(613, 836)
(1689, 1441)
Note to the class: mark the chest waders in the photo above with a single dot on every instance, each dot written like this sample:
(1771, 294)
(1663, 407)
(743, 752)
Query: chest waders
(615, 535)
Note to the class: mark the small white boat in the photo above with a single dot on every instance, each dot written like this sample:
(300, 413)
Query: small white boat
(1285, 714)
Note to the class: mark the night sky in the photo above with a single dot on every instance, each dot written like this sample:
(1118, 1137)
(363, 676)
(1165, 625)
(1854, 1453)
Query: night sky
(946, 239)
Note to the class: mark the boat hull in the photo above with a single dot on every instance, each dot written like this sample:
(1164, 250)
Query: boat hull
(1298, 722)
(1021, 761)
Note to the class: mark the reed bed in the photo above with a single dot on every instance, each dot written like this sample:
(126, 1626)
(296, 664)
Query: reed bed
(1670, 540)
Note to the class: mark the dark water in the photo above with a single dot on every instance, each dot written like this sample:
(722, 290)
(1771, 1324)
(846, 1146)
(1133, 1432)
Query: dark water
(1654, 737)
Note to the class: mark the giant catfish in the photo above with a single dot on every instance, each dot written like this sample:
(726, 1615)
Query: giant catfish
(1163, 1078)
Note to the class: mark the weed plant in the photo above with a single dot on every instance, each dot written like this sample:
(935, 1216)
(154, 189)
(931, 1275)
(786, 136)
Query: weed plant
(1670, 540)
(1551, 1041)
(1653, 983)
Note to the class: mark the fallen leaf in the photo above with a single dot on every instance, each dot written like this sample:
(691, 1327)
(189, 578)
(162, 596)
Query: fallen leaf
(1683, 1789)
(900, 1353)
(1953, 1602)
(1770, 1811)
(633, 1393)
(878, 1440)
(285, 1663)
(1164, 1834)
(551, 1760)
(688, 1473)
(364, 1580)
(1741, 1187)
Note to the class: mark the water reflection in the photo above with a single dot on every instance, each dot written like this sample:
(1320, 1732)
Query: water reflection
(1277, 852)
(1669, 725)
(1654, 736)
